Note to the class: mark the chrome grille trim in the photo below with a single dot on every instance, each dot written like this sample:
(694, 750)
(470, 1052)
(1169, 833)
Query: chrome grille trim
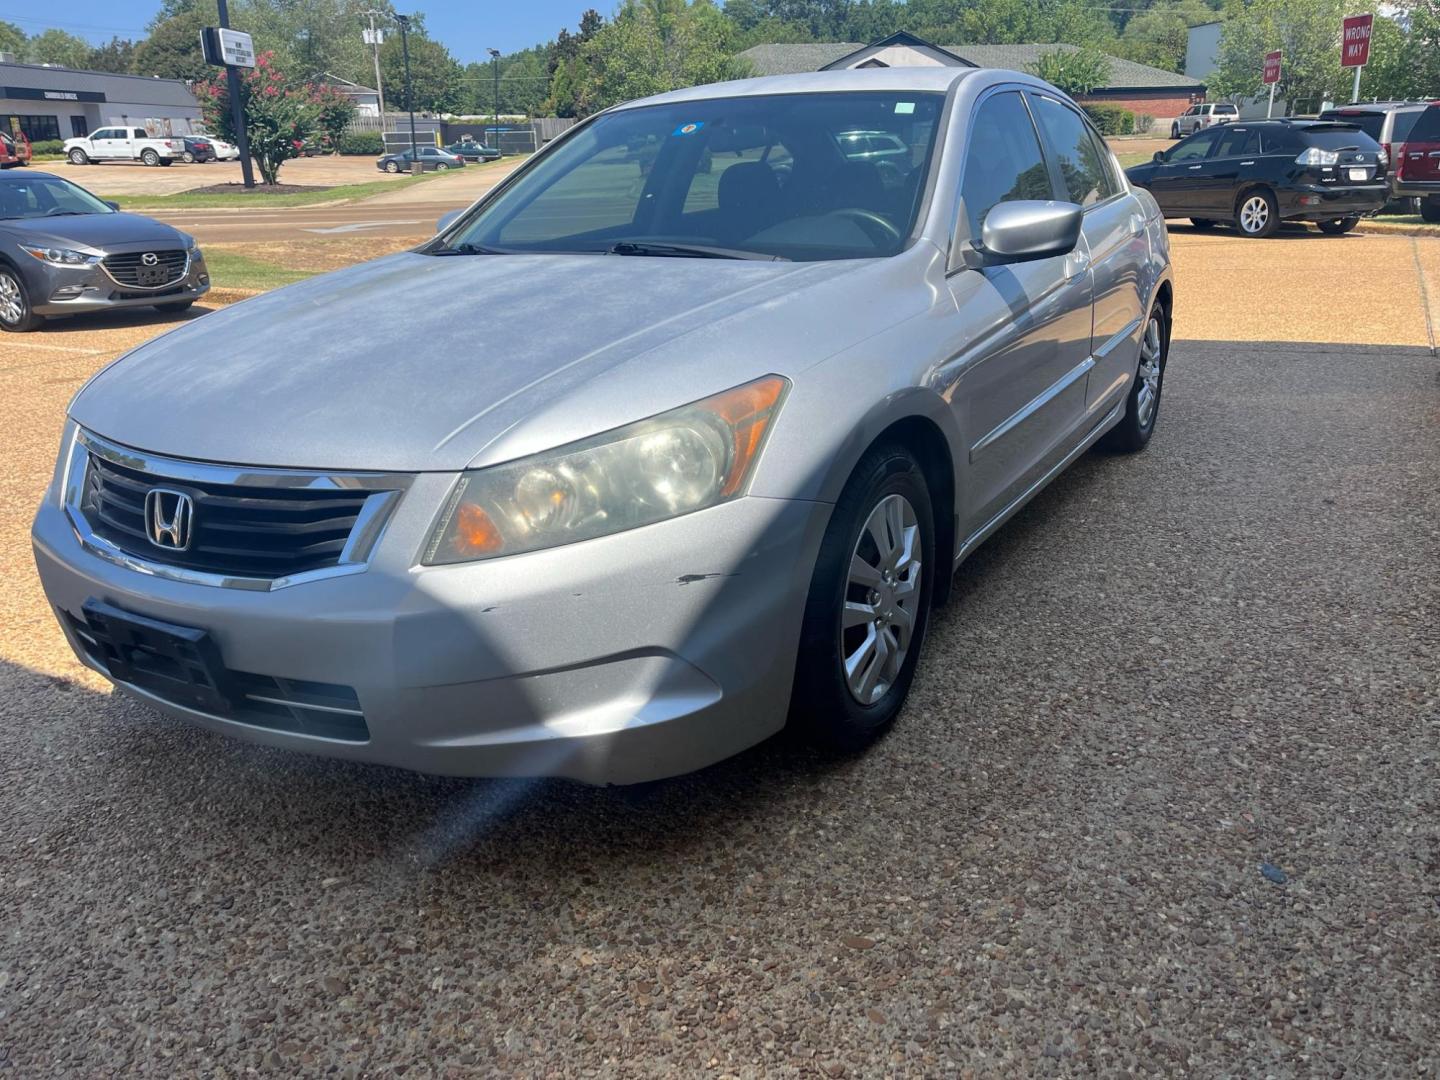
(382, 490)
(120, 268)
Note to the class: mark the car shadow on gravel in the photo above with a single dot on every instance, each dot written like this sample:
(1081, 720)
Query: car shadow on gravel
(121, 319)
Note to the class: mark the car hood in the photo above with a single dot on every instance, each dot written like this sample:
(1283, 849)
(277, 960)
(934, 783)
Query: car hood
(416, 362)
(93, 230)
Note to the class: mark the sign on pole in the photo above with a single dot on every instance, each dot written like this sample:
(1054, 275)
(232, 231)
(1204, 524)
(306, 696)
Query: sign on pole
(224, 47)
(1272, 76)
(1355, 46)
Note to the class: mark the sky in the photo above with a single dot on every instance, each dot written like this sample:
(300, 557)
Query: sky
(466, 27)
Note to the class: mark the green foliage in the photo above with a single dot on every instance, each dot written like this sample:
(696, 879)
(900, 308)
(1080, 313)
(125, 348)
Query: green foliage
(117, 55)
(280, 113)
(361, 144)
(1111, 119)
(47, 147)
(172, 49)
(434, 74)
(1160, 35)
(57, 47)
(1075, 71)
(334, 111)
(12, 38)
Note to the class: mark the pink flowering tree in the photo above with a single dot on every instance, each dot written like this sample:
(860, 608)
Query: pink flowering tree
(280, 114)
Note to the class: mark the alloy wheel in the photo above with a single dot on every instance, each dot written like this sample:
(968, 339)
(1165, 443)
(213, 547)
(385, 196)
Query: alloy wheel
(1254, 214)
(12, 300)
(1151, 347)
(882, 591)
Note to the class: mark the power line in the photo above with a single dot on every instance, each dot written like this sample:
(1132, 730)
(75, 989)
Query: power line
(51, 23)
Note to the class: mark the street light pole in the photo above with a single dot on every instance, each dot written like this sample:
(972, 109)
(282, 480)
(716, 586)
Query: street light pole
(404, 21)
(237, 112)
(375, 39)
(495, 67)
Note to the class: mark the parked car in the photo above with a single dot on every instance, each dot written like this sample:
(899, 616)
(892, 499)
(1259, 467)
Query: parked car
(1388, 123)
(65, 252)
(871, 146)
(197, 150)
(1199, 117)
(122, 144)
(1259, 173)
(432, 158)
(472, 151)
(14, 150)
(720, 483)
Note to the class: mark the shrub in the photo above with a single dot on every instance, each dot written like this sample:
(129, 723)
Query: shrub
(48, 147)
(363, 143)
(1143, 123)
(1111, 119)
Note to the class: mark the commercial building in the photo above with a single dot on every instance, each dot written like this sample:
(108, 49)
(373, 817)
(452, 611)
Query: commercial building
(47, 102)
(1140, 88)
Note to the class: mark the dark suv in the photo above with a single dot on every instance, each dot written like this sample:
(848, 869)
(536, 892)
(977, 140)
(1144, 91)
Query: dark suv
(1257, 173)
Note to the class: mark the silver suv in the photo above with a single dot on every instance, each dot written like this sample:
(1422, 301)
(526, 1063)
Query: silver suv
(712, 475)
(1197, 117)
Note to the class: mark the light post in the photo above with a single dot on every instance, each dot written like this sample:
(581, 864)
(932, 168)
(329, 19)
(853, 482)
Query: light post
(237, 112)
(404, 21)
(495, 67)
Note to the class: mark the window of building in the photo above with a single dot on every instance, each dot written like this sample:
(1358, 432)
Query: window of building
(34, 128)
(78, 127)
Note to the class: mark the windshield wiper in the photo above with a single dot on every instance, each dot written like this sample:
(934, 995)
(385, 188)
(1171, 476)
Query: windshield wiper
(467, 249)
(687, 251)
(68, 213)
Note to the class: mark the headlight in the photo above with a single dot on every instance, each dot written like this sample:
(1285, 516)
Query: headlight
(684, 460)
(62, 256)
(1316, 156)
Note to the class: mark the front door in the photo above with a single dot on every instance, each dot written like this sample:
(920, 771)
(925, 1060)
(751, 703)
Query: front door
(102, 143)
(1177, 181)
(1022, 331)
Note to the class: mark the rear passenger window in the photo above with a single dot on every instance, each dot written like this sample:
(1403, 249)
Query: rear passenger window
(1004, 162)
(1238, 141)
(1082, 159)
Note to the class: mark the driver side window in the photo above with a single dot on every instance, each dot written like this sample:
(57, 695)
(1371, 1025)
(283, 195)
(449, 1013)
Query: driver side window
(1194, 149)
(1003, 162)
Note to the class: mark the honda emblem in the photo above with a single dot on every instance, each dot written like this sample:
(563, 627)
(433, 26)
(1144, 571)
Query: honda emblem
(169, 518)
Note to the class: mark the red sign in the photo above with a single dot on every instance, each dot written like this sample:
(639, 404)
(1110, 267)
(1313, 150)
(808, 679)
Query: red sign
(1272, 68)
(1355, 41)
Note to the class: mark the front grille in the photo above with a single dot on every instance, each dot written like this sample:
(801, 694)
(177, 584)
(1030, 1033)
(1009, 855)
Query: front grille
(236, 530)
(299, 706)
(129, 268)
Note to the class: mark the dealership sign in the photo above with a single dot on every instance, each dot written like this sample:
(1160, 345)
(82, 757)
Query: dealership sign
(227, 48)
(1355, 41)
(1272, 68)
(39, 93)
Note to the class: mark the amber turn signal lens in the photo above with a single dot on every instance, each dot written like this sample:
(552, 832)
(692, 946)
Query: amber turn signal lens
(475, 534)
(747, 411)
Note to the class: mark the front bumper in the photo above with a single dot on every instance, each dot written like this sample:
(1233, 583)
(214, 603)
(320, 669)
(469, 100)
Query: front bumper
(1320, 203)
(66, 290)
(628, 658)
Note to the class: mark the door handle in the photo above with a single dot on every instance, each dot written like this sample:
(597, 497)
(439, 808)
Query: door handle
(1075, 264)
(1197, 166)
(1247, 163)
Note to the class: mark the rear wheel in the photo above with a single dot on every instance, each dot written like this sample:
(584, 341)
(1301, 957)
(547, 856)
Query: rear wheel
(150, 157)
(1256, 213)
(1202, 223)
(1174, 131)
(1142, 407)
(79, 157)
(869, 604)
(1430, 209)
(15, 313)
(442, 167)
(1338, 226)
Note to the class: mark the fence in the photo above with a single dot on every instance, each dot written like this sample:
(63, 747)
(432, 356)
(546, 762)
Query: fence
(524, 137)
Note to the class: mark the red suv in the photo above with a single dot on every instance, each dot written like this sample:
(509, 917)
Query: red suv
(1409, 131)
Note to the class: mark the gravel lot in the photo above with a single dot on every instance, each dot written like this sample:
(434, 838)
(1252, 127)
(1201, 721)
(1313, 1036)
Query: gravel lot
(1170, 672)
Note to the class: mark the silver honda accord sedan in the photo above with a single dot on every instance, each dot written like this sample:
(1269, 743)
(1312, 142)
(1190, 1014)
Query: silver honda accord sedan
(673, 438)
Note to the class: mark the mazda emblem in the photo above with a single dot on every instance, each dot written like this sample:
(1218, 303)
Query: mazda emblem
(149, 258)
(169, 518)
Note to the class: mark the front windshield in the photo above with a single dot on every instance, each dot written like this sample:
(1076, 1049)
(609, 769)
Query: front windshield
(45, 196)
(791, 176)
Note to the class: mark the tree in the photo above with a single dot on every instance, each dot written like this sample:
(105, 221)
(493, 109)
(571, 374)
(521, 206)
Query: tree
(12, 38)
(1307, 33)
(333, 113)
(434, 74)
(172, 49)
(116, 55)
(280, 113)
(1075, 71)
(1160, 36)
(58, 47)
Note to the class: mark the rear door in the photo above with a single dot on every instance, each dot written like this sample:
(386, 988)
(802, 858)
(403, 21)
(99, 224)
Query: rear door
(1021, 337)
(1236, 158)
(1422, 150)
(1114, 236)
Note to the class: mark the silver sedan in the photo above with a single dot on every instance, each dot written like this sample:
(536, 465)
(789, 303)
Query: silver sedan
(706, 413)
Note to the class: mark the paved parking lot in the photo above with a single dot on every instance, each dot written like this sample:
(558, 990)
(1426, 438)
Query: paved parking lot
(1169, 672)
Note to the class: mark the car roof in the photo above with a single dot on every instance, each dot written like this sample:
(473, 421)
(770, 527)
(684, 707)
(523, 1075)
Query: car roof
(12, 177)
(920, 80)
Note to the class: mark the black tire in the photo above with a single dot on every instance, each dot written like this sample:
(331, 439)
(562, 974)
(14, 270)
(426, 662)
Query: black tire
(442, 167)
(822, 706)
(392, 167)
(1271, 218)
(149, 157)
(27, 320)
(1202, 223)
(1339, 226)
(1174, 131)
(1430, 209)
(1132, 434)
(174, 306)
(188, 158)
(79, 157)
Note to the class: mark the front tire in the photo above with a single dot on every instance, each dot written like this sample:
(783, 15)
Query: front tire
(1174, 131)
(1142, 407)
(150, 157)
(391, 167)
(79, 157)
(15, 313)
(1338, 226)
(869, 604)
(1256, 214)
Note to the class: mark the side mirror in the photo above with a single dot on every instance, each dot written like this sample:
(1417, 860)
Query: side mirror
(1159, 156)
(112, 205)
(446, 220)
(1024, 231)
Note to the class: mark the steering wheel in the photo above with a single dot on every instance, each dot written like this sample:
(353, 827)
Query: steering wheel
(877, 228)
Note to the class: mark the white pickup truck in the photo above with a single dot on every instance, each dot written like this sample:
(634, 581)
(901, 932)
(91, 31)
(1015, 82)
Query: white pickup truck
(122, 144)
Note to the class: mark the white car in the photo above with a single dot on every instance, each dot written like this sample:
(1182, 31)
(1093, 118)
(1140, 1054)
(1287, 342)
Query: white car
(123, 144)
(1198, 117)
(224, 151)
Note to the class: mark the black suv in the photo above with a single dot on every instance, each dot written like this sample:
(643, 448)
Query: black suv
(1409, 133)
(1256, 173)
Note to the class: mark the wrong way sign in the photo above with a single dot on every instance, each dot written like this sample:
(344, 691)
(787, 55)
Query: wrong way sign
(1272, 68)
(1355, 40)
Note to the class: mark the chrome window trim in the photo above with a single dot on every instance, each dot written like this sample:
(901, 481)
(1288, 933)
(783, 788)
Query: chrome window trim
(185, 273)
(385, 490)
